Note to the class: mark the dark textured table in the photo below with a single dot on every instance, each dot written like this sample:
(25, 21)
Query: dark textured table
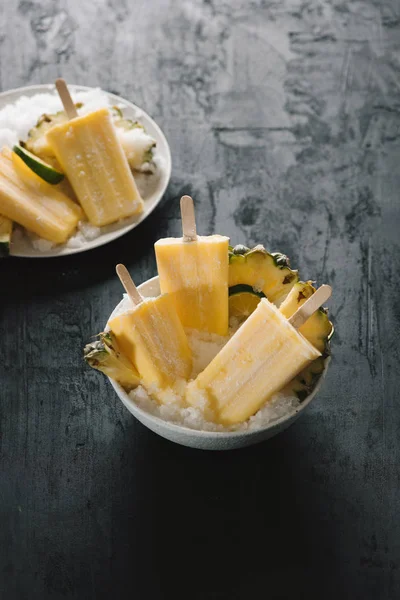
(283, 119)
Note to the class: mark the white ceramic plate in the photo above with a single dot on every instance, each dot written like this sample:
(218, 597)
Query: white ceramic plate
(207, 440)
(155, 187)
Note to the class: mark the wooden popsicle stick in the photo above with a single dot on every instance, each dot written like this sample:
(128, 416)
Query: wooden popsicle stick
(310, 306)
(128, 285)
(66, 99)
(188, 219)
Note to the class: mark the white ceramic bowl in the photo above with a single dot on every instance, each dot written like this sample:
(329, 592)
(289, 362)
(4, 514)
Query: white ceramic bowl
(206, 440)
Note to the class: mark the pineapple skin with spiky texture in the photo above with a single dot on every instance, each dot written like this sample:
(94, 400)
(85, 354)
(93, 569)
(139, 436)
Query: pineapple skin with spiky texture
(105, 356)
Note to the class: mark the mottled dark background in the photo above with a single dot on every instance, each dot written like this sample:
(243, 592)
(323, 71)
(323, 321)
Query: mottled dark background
(284, 124)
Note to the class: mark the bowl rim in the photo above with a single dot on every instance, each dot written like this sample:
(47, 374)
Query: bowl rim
(200, 433)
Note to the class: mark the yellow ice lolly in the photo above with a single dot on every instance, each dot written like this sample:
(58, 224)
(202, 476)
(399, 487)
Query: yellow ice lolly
(36, 205)
(152, 337)
(92, 157)
(263, 355)
(194, 271)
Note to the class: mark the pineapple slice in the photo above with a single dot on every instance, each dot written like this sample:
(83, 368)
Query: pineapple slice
(271, 274)
(265, 272)
(6, 226)
(106, 356)
(138, 145)
(318, 328)
(37, 140)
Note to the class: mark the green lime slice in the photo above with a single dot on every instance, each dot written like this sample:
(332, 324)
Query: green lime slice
(38, 166)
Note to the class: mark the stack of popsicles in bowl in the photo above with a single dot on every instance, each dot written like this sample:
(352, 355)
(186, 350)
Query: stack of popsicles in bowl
(260, 356)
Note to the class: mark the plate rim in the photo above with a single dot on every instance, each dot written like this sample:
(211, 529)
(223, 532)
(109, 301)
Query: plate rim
(167, 168)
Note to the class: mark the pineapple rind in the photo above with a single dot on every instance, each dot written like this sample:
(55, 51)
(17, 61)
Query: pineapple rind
(105, 356)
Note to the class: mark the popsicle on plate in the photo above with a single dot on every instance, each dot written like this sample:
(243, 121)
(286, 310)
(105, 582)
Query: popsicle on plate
(91, 155)
(36, 205)
(152, 337)
(264, 354)
(194, 271)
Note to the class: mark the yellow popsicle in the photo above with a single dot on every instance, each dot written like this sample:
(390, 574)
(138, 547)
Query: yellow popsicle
(36, 205)
(259, 360)
(92, 157)
(194, 271)
(152, 337)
